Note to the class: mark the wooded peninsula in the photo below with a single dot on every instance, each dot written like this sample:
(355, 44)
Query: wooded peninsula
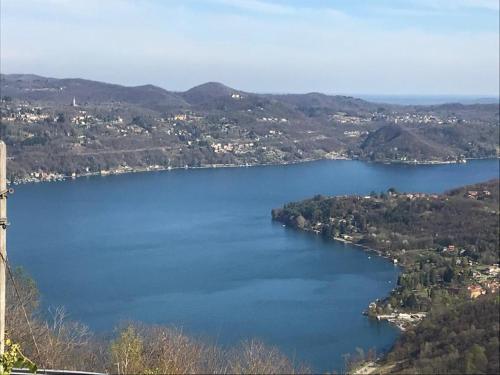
(446, 299)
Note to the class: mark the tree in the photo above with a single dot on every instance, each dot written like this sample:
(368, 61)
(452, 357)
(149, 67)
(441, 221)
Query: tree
(60, 118)
(448, 275)
(433, 276)
(3, 130)
(475, 360)
(126, 352)
(342, 227)
(411, 301)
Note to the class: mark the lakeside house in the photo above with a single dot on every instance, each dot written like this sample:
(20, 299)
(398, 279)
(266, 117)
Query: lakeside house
(475, 291)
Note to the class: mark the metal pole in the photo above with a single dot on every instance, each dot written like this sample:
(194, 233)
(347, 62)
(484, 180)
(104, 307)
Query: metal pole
(3, 247)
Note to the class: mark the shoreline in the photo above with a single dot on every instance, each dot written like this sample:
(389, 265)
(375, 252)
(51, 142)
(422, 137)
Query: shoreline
(53, 176)
(396, 321)
(114, 172)
(401, 321)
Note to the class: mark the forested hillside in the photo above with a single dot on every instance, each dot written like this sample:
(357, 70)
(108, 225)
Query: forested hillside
(446, 298)
(466, 218)
(458, 340)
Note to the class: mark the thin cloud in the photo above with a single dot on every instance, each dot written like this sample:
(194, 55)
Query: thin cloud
(257, 6)
(272, 8)
(457, 4)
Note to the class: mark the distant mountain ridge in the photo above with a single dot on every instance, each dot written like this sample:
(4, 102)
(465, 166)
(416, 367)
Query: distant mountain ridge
(196, 95)
(62, 91)
(66, 88)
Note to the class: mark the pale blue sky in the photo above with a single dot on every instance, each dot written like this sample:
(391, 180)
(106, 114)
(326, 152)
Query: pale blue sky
(334, 46)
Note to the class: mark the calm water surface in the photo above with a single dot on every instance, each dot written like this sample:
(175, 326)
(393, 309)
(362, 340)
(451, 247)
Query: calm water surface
(197, 248)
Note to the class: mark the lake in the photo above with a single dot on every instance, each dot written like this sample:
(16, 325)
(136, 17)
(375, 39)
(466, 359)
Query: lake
(198, 249)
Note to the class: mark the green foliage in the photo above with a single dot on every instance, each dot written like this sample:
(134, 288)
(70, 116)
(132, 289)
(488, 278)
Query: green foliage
(476, 361)
(14, 358)
(126, 352)
(462, 338)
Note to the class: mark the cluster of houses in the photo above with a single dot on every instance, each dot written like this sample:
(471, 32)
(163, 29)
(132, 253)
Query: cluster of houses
(353, 133)
(414, 118)
(452, 250)
(82, 118)
(85, 120)
(133, 129)
(44, 176)
(272, 119)
(484, 279)
(475, 194)
(345, 119)
(485, 282)
(35, 89)
(408, 196)
(186, 117)
(413, 196)
(478, 290)
(394, 117)
(237, 148)
(475, 291)
(417, 118)
(488, 287)
(25, 114)
(275, 132)
(402, 320)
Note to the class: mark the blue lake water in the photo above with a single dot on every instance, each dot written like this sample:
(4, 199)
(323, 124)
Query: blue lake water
(198, 249)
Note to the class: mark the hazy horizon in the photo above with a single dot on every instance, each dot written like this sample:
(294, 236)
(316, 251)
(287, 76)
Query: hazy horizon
(393, 48)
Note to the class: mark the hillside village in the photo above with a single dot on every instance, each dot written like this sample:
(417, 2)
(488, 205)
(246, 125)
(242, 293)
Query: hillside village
(65, 128)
